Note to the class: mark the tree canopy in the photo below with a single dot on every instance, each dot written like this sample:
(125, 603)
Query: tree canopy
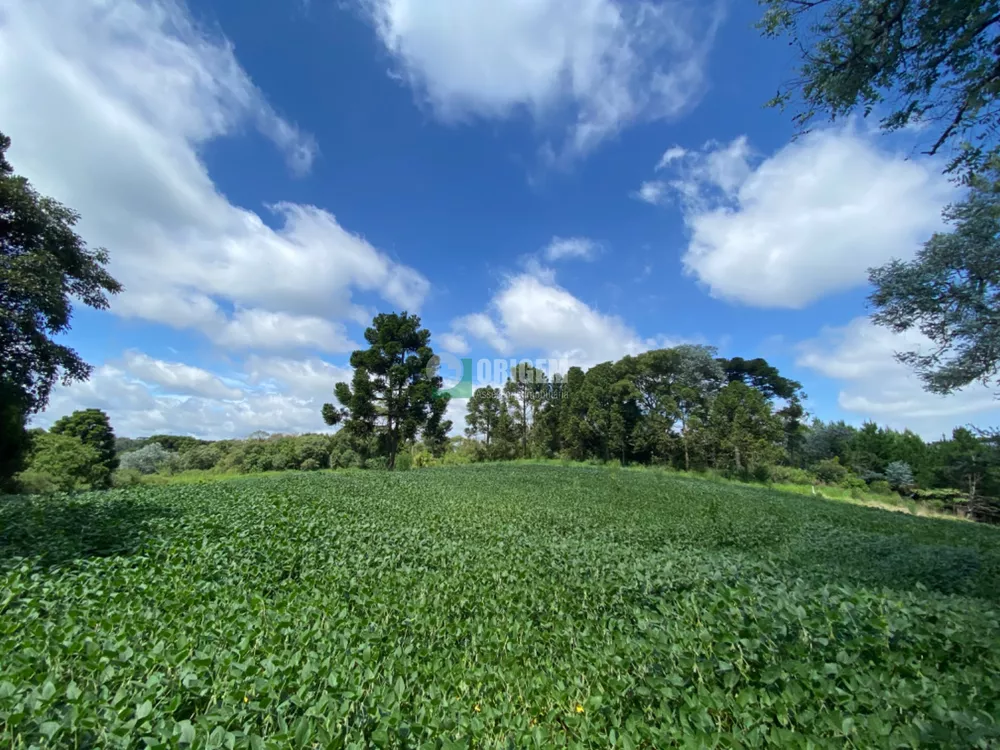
(43, 266)
(93, 428)
(950, 292)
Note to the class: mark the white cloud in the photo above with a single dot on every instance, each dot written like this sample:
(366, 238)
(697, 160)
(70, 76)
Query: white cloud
(144, 396)
(109, 104)
(532, 313)
(482, 327)
(874, 386)
(805, 222)
(652, 191)
(176, 377)
(278, 330)
(561, 248)
(671, 155)
(454, 343)
(603, 64)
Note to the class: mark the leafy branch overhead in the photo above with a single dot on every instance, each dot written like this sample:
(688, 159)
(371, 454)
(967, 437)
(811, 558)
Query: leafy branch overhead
(932, 64)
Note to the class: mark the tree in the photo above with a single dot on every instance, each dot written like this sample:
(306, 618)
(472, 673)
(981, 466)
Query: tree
(757, 373)
(951, 293)
(828, 440)
(572, 411)
(967, 461)
(93, 428)
(14, 439)
(872, 449)
(524, 395)
(899, 475)
(743, 428)
(931, 63)
(43, 265)
(393, 393)
(62, 463)
(435, 432)
(483, 414)
(699, 378)
(149, 459)
(653, 375)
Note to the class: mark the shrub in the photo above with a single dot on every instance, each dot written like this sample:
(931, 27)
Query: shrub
(35, 483)
(421, 459)
(404, 461)
(345, 458)
(310, 464)
(830, 471)
(790, 475)
(149, 459)
(63, 463)
(880, 487)
(126, 478)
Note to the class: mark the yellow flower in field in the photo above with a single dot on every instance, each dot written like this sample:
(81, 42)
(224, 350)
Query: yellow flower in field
(579, 708)
(246, 699)
(476, 708)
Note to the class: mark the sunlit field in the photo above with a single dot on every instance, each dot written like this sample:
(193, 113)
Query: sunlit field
(491, 606)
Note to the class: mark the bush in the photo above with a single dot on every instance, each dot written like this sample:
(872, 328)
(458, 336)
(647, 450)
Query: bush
(36, 483)
(63, 463)
(345, 458)
(404, 461)
(310, 464)
(880, 487)
(126, 478)
(421, 459)
(149, 459)
(790, 475)
(830, 471)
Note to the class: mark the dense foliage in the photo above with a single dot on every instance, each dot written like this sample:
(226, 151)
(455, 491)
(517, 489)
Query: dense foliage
(93, 428)
(491, 606)
(44, 266)
(63, 463)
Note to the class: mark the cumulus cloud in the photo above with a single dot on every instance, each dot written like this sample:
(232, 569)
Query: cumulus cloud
(532, 313)
(109, 104)
(178, 378)
(600, 64)
(808, 221)
(454, 343)
(562, 248)
(144, 396)
(874, 386)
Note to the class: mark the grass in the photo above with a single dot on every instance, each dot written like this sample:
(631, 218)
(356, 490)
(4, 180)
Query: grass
(491, 606)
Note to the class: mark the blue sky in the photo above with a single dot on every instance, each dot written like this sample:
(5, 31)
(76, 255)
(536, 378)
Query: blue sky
(563, 179)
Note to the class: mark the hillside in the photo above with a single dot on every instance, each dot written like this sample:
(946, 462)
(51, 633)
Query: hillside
(491, 605)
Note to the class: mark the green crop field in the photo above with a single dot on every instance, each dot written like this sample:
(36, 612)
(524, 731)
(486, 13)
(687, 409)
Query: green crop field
(492, 606)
